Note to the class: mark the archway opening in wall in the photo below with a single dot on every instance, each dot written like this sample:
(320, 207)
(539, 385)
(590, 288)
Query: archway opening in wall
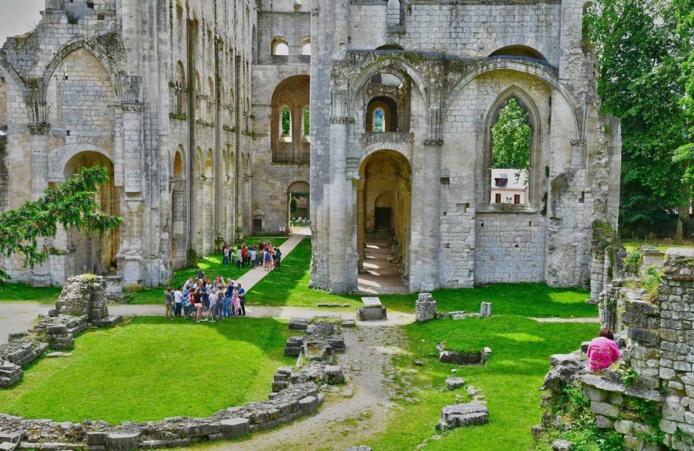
(299, 206)
(519, 50)
(290, 120)
(178, 212)
(383, 234)
(96, 252)
(510, 160)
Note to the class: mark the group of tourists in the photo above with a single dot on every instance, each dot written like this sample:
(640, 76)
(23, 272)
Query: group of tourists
(219, 298)
(261, 255)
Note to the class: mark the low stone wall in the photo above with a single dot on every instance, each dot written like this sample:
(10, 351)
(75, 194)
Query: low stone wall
(295, 393)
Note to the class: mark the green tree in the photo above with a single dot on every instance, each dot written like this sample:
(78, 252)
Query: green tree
(286, 122)
(640, 59)
(71, 204)
(511, 138)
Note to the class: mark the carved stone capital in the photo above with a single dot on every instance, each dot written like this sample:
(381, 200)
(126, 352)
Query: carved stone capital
(341, 120)
(433, 142)
(39, 129)
(132, 107)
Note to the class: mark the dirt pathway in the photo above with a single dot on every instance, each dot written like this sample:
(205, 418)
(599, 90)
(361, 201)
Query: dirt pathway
(351, 413)
(18, 317)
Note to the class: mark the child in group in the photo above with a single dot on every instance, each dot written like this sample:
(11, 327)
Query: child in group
(267, 259)
(236, 304)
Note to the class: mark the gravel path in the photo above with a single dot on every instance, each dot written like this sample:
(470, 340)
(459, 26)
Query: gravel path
(18, 317)
(352, 413)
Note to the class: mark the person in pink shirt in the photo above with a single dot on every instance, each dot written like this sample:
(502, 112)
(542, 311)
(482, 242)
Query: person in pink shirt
(603, 351)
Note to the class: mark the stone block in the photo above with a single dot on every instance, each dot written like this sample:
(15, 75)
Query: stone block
(334, 374)
(123, 442)
(485, 310)
(624, 427)
(425, 308)
(462, 415)
(604, 409)
(603, 422)
(278, 386)
(308, 405)
(372, 314)
(595, 394)
(235, 427)
(453, 383)
(561, 445)
(298, 324)
(57, 329)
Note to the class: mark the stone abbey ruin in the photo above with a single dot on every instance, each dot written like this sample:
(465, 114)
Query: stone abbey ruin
(218, 119)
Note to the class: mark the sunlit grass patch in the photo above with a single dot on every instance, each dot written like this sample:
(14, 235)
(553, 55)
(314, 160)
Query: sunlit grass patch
(152, 369)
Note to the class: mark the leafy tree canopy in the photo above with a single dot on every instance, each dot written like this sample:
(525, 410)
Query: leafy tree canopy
(27, 230)
(511, 138)
(642, 51)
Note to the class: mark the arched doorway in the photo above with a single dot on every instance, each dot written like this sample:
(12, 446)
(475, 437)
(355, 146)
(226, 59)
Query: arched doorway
(298, 204)
(95, 253)
(384, 208)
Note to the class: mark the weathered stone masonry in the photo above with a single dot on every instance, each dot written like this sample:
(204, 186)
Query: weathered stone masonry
(455, 64)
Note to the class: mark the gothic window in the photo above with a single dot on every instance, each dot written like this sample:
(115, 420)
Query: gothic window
(180, 87)
(306, 46)
(379, 124)
(286, 124)
(511, 151)
(280, 47)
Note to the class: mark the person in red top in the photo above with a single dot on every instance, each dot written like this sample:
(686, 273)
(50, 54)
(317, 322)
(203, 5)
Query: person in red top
(603, 351)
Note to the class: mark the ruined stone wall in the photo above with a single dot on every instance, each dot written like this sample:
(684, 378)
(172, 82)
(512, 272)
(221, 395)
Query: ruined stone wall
(90, 79)
(279, 81)
(451, 101)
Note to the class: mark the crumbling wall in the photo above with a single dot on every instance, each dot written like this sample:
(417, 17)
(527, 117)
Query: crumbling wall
(649, 398)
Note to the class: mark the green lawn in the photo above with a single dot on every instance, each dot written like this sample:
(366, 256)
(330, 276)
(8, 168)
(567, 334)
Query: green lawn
(14, 292)
(510, 381)
(289, 286)
(152, 369)
(662, 245)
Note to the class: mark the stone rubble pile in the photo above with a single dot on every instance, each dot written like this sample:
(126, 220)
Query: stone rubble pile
(81, 304)
(463, 415)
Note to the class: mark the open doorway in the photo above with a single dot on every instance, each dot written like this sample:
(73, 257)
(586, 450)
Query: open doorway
(384, 223)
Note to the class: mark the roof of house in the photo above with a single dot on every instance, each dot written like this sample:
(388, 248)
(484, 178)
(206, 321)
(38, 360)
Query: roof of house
(517, 179)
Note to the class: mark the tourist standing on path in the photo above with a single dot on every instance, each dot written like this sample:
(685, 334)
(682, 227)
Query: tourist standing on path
(178, 302)
(168, 295)
(225, 254)
(242, 297)
(603, 351)
(239, 257)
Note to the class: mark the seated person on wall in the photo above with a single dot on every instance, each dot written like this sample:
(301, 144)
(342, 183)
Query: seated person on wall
(602, 351)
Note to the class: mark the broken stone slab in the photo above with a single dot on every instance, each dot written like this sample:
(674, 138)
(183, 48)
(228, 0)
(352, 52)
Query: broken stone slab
(463, 415)
(123, 442)
(371, 302)
(57, 329)
(460, 358)
(359, 448)
(453, 383)
(349, 323)
(372, 314)
(298, 324)
(235, 427)
(566, 368)
(308, 405)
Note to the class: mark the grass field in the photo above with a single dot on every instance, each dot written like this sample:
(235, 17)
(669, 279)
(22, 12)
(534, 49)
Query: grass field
(16, 292)
(510, 381)
(151, 369)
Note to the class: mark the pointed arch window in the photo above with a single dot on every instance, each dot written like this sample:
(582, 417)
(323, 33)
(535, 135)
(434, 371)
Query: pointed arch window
(512, 151)
(286, 124)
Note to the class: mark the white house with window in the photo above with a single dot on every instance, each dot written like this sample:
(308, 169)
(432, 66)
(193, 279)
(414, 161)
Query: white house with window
(509, 186)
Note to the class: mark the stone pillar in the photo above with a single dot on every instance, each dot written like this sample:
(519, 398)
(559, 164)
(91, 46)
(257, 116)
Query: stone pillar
(425, 308)
(486, 310)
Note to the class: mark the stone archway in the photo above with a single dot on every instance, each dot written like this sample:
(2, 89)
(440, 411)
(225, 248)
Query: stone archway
(383, 206)
(95, 253)
(178, 212)
(298, 203)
